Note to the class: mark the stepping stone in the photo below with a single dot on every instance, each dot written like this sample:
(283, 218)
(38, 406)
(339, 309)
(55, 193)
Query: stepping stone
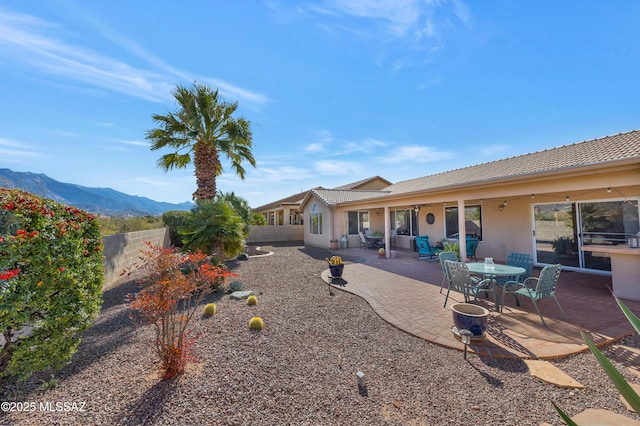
(241, 294)
(592, 416)
(551, 374)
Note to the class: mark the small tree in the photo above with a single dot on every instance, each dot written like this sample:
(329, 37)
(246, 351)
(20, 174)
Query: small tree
(51, 277)
(213, 227)
(173, 288)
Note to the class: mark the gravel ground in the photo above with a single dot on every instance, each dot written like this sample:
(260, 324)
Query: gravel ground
(300, 370)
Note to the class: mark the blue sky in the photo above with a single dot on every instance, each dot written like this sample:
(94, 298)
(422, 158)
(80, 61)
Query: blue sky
(336, 90)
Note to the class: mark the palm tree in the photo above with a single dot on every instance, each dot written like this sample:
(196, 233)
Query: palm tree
(202, 129)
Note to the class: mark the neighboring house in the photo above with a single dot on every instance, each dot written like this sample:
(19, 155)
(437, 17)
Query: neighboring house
(548, 204)
(287, 210)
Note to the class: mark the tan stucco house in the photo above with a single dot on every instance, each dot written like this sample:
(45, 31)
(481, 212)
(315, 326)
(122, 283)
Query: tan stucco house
(551, 204)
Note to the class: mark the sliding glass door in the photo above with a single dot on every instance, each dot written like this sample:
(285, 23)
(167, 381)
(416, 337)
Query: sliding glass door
(556, 238)
(560, 228)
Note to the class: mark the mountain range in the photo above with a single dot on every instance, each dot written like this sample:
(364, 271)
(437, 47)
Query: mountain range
(105, 201)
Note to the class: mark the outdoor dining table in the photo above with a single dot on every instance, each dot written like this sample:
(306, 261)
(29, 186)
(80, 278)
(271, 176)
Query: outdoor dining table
(376, 241)
(491, 271)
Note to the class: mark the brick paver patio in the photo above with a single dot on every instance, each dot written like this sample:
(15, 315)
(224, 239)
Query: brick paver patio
(406, 293)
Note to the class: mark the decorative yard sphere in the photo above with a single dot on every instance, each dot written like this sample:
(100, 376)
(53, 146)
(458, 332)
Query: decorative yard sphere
(381, 252)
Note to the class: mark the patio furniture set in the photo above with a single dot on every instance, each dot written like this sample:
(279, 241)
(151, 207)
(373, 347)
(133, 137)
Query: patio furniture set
(476, 278)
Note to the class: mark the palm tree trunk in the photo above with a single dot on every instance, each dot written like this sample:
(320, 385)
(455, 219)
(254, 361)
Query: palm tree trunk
(207, 168)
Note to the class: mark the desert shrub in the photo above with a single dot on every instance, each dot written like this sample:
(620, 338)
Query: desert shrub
(51, 275)
(119, 225)
(169, 299)
(174, 219)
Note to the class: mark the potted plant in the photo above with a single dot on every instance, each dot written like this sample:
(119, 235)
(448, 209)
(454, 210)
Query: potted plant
(335, 266)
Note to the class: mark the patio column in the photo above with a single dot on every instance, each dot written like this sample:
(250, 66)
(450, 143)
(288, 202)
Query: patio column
(387, 232)
(462, 231)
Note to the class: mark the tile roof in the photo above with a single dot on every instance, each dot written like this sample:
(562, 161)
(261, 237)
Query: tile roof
(360, 183)
(623, 146)
(292, 199)
(298, 198)
(337, 196)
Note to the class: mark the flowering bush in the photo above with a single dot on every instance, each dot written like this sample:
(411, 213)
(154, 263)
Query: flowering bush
(173, 287)
(51, 276)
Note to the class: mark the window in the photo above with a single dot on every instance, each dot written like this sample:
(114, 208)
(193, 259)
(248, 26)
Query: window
(405, 222)
(472, 218)
(315, 220)
(358, 221)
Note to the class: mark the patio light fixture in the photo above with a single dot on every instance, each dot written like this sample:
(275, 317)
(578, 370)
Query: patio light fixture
(568, 199)
(416, 208)
(609, 190)
(465, 337)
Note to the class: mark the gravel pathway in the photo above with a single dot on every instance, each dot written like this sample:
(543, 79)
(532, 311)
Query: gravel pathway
(300, 370)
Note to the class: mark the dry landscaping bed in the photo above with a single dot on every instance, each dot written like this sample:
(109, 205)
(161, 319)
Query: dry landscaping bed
(300, 370)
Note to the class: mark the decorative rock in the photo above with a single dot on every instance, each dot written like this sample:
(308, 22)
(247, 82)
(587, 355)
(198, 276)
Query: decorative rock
(241, 294)
(235, 286)
(243, 256)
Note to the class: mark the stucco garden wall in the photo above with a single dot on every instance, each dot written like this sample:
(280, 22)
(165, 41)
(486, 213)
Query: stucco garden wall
(275, 233)
(122, 250)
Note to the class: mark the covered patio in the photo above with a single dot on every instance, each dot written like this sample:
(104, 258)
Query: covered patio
(406, 293)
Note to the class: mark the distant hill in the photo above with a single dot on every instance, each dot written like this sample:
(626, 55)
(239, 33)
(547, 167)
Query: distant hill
(105, 201)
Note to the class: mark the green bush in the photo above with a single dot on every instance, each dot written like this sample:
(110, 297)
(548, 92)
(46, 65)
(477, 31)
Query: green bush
(51, 277)
(119, 225)
(174, 219)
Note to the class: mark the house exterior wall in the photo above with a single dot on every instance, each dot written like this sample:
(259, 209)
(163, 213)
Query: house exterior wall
(504, 230)
(318, 240)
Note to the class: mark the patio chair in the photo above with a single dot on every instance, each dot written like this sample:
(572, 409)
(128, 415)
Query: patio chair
(446, 255)
(537, 289)
(460, 280)
(425, 251)
(392, 238)
(472, 245)
(363, 240)
(522, 260)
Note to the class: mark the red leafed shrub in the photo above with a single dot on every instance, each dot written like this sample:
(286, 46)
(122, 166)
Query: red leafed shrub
(173, 287)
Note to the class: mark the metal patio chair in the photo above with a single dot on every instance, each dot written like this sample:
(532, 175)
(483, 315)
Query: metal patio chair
(446, 255)
(536, 289)
(460, 280)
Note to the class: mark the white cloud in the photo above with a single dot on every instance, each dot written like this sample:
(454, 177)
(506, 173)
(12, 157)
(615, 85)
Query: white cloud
(416, 154)
(333, 168)
(41, 45)
(13, 151)
(136, 143)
